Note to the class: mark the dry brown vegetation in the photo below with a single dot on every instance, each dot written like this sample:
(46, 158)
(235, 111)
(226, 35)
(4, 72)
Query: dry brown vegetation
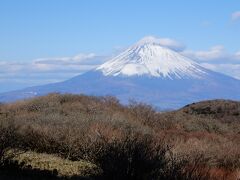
(199, 141)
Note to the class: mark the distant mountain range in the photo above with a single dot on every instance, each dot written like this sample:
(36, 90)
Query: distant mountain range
(146, 72)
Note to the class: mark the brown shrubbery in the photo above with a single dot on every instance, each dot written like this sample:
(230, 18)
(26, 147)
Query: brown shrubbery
(126, 142)
(9, 140)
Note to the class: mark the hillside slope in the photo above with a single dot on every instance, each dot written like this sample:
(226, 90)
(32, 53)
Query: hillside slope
(124, 142)
(146, 72)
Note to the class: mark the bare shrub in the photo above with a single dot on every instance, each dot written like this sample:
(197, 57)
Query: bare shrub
(9, 141)
(130, 157)
(129, 142)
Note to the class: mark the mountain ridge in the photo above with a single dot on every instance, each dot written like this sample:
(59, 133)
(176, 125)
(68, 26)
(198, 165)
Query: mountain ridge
(184, 81)
(148, 57)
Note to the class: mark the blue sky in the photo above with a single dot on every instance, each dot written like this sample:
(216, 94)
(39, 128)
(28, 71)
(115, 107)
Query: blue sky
(44, 41)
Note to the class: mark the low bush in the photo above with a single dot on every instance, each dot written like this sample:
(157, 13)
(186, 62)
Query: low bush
(126, 142)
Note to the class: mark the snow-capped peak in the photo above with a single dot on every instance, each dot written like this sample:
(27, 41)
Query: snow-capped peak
(148, 40)
(149, 57)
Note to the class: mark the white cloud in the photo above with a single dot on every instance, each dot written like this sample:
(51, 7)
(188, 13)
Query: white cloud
(214, 53)
(42, 70)
(228, 69)
(165, 42)
(53, 69)
(236, 16)
(237, 55)
(217, 59)
(172, 44)
(75, 64)
(80, 59)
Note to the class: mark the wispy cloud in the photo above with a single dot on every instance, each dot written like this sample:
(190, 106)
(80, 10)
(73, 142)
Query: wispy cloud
(236, 16)
(46, 70)
(217, 59)
(172, 44)
(81, 59)
(81, 62)
(215, 54)
(228, 69)
(54, 69)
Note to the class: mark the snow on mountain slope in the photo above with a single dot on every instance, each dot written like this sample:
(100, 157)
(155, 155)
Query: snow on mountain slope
(148, 57)
(146, 72)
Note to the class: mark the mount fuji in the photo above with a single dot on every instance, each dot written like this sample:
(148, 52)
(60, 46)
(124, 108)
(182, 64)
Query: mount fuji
(146, 72)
